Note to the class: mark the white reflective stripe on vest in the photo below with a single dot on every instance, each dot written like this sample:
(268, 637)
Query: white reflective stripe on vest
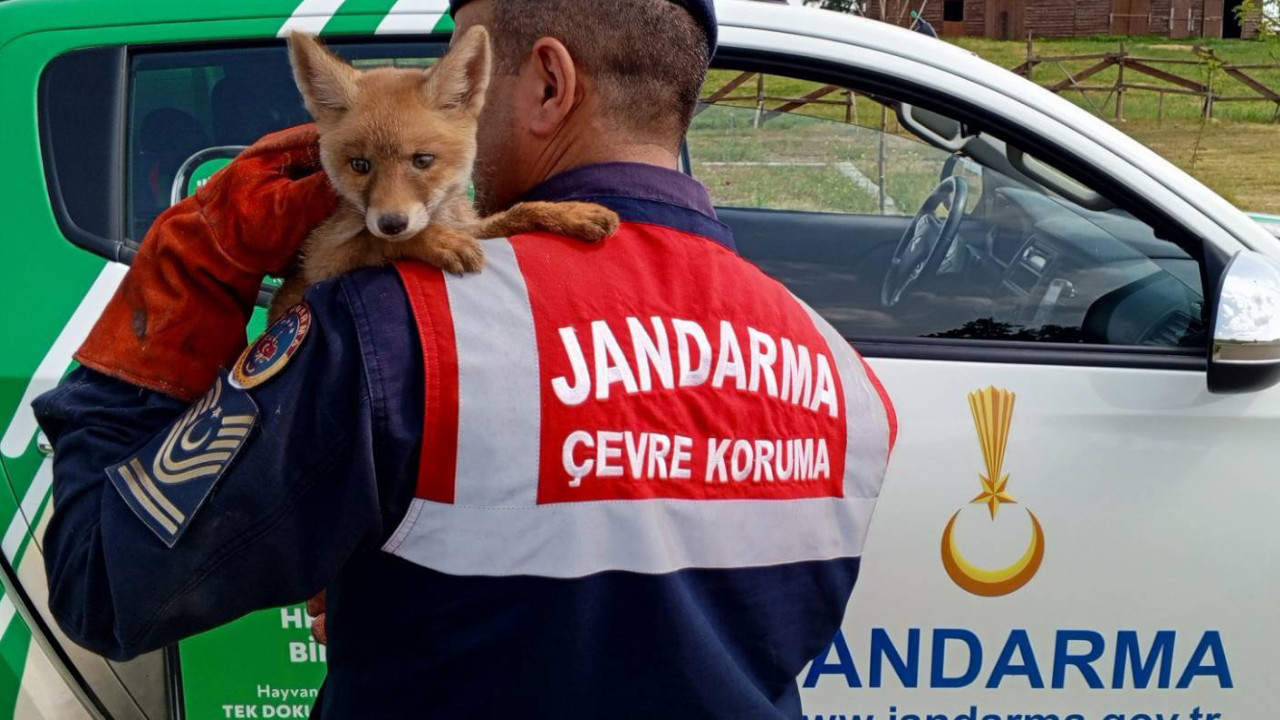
(498, 401)
(866, 419)
(571, 540)
(496, 528)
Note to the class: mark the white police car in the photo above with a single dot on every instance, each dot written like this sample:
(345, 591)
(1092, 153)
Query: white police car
(1081, 341)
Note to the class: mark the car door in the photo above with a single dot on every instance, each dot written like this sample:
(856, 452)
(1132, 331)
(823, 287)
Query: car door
(33, 685)
(104, 116)
(1072, 526)
(51, 291)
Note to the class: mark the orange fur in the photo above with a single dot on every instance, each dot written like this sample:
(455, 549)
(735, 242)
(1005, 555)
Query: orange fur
(376, 127)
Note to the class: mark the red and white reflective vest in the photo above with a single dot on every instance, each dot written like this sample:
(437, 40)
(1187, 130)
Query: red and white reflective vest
(648, 404)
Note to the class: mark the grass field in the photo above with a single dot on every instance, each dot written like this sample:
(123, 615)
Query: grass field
(1237, 153)
(1241, 161)
(1142, 105)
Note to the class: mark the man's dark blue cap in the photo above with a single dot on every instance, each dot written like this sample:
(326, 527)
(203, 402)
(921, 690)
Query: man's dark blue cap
(703, 11)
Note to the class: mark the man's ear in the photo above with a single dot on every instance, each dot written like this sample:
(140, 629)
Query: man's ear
(326, 81)
(461, 78)
(558, 86)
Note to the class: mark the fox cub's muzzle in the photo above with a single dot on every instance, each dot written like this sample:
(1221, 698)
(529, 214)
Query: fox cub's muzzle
(397, 222)
(393, 223)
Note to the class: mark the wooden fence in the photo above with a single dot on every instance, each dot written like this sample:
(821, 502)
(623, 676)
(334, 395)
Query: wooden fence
(770, 106)
(819, 96)
(1129, 67)
(1134, 73)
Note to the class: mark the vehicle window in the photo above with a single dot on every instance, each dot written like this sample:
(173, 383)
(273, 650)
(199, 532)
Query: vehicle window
(186, 103)
(797, 158)
(825, 187)
(892, 237)
(82, 159)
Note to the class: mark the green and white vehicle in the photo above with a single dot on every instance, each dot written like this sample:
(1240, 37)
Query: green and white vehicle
(1131, 313)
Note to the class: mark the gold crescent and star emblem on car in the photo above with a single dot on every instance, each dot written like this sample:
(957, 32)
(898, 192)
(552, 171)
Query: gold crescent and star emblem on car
(992, 410)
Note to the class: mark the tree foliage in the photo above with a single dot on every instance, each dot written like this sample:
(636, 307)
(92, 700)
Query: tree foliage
(846, 6)
(1267, 14)
(894, 11)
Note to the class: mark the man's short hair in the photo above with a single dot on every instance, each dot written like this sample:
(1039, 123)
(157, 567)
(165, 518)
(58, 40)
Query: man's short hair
(648, 57)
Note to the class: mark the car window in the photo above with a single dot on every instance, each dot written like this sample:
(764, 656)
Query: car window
(821, 183)
(185, 104)
(80, 95)
(829, 154)
(891, 237)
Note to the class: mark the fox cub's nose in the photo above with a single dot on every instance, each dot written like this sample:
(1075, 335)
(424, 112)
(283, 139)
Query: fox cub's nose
(393, 223)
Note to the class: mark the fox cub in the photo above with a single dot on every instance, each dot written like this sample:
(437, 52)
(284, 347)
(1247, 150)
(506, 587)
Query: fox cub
(399, 145)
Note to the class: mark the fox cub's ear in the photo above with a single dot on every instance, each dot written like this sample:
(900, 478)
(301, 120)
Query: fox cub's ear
(461, 77)
(327, 82)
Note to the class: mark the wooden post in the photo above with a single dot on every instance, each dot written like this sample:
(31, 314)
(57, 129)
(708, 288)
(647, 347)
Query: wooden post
(759, 99)
(1160, 110)
(1030, 54)
(848, 107)
(1208, 98)
(1208, 95)
(883, 159)
(1120, 84)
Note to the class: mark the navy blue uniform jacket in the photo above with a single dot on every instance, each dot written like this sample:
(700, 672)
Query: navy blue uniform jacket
(323, 481)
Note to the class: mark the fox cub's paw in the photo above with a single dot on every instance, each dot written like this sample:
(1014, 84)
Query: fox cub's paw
(458, 256)
(587, 221)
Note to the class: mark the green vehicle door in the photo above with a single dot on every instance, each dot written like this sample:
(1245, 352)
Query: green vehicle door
(103, 105)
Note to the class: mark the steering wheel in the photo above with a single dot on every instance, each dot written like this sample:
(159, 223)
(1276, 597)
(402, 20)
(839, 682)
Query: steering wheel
(926, 240)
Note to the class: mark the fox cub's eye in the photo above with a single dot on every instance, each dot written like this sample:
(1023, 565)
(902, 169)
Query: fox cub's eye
(422, 161)
(360, 165)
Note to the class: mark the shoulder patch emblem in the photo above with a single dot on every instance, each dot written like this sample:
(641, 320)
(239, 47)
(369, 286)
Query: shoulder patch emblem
(268, 355)
(169, 479)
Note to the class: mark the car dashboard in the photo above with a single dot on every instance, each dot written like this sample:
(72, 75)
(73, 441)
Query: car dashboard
(1072, 275)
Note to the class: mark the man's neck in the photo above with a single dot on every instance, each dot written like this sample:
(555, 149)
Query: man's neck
(586, 145)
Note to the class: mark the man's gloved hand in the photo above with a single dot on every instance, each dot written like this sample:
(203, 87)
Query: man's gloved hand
(317, 610)
(180, 313)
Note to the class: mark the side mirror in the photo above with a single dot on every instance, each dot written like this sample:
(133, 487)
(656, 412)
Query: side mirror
(1244, 350)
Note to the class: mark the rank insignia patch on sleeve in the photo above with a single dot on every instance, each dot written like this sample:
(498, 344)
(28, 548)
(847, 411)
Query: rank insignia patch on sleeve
(268, 355)
(169, 479)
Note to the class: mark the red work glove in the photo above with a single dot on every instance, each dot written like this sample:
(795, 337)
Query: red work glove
(180, 313)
